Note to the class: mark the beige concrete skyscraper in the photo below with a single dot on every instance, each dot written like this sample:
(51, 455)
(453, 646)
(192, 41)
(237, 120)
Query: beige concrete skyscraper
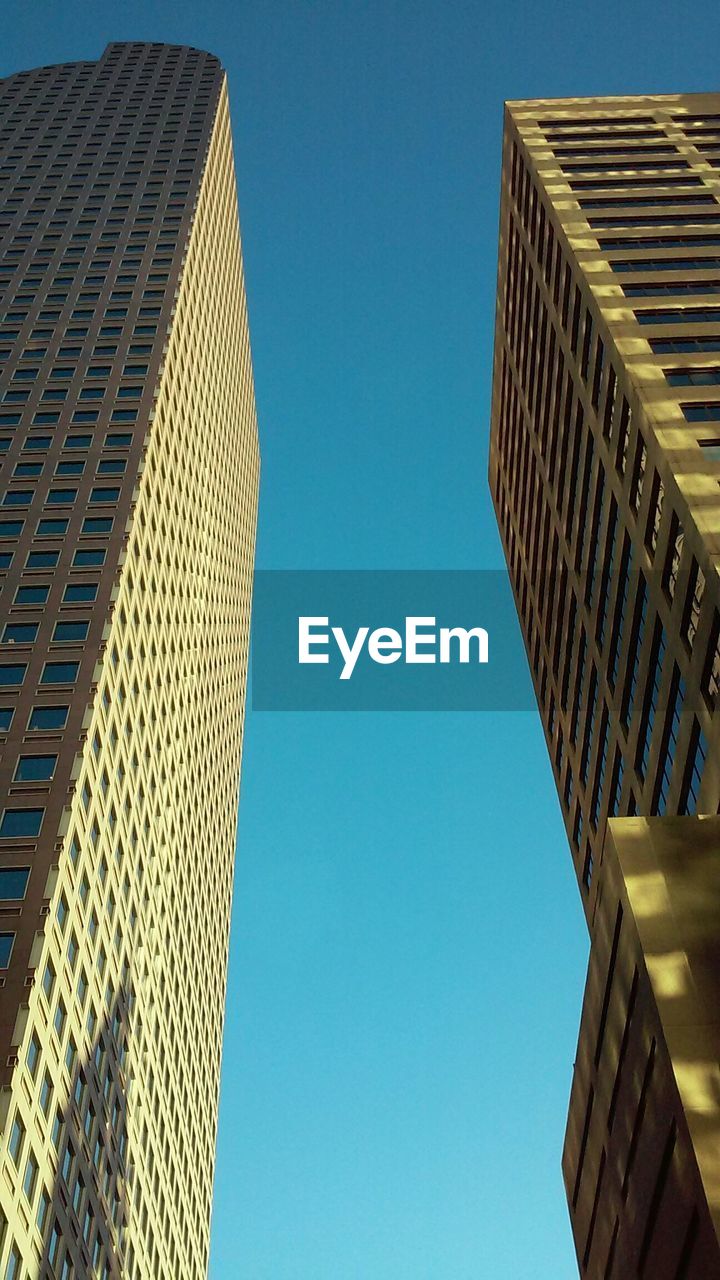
(127, 518)
(605, 472)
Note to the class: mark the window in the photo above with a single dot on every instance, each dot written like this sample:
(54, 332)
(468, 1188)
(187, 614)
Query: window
(33, 1056)
(668, 746)
(652, 529)
(7, 941)
(30, 1179)
(35, 768)
(31, 595)
(650, 701)
(693, 771)
(97, 524)
(678, 315)
(674, 288)
(699, 412)
(90, 556)
(18, 497)
(42, 559)
(17, 1137)
(12, 674)
(59, 673)
(19, 632)
(693, 377)
(635, 647)
(46, 1086)
(13, 883)
(70, 632)
(80, 592)
(711, 671)
(52, 528)
(104, 495)
(6, 715)
(666, 264)
(59, 1021)
(48, 717)
(21, 823)
(61, 497)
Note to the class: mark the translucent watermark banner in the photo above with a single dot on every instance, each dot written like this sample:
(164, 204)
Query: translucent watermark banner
(387, 640)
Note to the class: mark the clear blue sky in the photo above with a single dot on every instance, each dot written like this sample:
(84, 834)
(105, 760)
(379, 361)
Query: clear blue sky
(407, 954)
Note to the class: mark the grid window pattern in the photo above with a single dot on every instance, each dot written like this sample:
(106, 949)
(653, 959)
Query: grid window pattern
(123, 302)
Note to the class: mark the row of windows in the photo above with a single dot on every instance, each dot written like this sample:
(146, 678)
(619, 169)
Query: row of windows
(664, 264)
(74, 593)
(613, 183)
(650, 220)
(594, 122)
(672, 287)
(83, 558)
(57, 527)
(43, 718)
(680, 315)
(77, 440)
(70, 632)
(643, 201)
(660, 242)
(603, 149)
(612, 166)
(58, 497)
(83, 417)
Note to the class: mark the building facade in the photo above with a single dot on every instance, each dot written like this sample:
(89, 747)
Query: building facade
(128, 493)
(605, 474)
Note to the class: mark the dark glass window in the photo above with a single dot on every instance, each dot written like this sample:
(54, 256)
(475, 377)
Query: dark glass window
(59, 672)
(42, 559)
(52, 528)
(13, 883)
(35, 768)
(48, 717)
(80, 592)
(70, 631)
(701, 412)
(35, 594)
(12, 674)
(18, 823)
(19, 632)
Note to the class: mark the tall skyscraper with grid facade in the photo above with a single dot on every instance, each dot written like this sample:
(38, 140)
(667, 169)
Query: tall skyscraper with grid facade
(605, 467)
(127, 520)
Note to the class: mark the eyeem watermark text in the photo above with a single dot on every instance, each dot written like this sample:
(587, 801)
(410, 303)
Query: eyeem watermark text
(420, 642)
(387, 640)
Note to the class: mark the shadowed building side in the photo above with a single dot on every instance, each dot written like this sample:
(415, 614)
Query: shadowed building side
(605, 475)
(641, 1163)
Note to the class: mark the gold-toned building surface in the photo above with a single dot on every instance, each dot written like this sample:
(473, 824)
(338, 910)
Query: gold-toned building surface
(605, 467)
(127, 522)
(642, 1151)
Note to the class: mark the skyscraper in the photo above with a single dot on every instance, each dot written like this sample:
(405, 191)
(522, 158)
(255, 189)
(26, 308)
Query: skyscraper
(127, 519)
(605, 466)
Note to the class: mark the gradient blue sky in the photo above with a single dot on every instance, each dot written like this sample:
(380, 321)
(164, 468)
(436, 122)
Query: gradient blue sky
(408, 953)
